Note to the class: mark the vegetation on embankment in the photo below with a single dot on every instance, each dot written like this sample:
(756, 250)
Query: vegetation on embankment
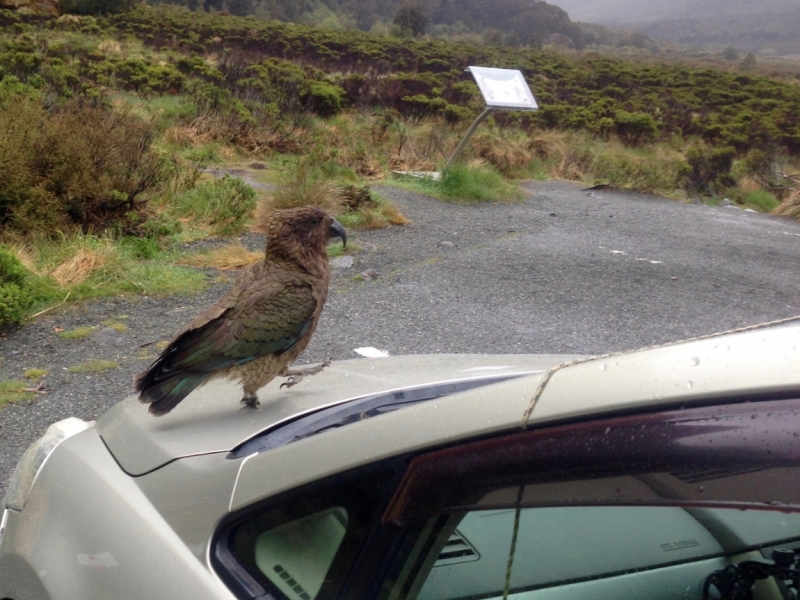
(106, 124)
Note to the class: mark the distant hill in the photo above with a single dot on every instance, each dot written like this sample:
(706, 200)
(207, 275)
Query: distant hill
(767, 26)
(505, 22)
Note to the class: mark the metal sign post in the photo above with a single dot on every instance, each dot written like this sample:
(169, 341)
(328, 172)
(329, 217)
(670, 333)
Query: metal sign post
(502, 89)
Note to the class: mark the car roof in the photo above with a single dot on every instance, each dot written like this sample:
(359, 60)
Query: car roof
(212, 419)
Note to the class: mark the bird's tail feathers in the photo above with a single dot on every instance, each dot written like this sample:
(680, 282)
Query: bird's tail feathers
(165, 395)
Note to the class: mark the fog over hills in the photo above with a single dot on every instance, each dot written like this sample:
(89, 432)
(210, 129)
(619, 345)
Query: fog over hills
(638, 11)
(767, 26)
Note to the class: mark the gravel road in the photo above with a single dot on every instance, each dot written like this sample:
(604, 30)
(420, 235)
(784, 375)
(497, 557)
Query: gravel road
(565, 271)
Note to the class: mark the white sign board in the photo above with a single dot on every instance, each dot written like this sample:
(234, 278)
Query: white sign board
(504, 88)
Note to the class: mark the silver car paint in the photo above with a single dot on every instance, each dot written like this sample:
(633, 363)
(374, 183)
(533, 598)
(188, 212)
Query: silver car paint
(92, 531)
(212, 419)
(103, 539)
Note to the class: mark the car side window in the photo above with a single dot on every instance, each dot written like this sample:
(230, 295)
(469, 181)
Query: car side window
(687, 504)
(597, 552)
(302, 547)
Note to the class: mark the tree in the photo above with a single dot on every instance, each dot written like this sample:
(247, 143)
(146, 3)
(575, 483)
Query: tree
(95, 7)
(240, 8)
(748, 62)
(411, 19)
(730, 53)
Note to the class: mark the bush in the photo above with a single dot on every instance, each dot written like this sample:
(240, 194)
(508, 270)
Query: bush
(15, 294)
(326, 99)
(95, 7)
(711, 168)
(80, 165)
(635, 128)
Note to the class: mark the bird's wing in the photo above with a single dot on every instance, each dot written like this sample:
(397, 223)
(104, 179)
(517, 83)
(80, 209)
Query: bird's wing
(264, 319)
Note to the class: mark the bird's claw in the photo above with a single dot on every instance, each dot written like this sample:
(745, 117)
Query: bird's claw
(295, 376)
(290, 381)
(251, 401)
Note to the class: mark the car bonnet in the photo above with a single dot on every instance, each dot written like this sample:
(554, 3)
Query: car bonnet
(212, 420)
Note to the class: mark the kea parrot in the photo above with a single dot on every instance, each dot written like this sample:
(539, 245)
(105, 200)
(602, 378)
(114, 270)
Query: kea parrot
(261, 325)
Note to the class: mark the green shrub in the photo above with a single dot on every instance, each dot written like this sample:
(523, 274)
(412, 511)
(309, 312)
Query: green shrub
(223, 204)
(78, 165)
(635, 128)
(711, 167)
(15, 294)
(326, 99)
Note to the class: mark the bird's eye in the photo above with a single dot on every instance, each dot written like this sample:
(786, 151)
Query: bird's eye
(315, 220)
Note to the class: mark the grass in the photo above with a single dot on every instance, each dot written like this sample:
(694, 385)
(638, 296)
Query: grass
(115, 325)
(96, 365)
(13, 390)
(791, 206)
(226, 258)
(761, 200)
(78, 333)
(35, 373)
(322, 185)
(89, 266)
(220, 206)
(466, 183)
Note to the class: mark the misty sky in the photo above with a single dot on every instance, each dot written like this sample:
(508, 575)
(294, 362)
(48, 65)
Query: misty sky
(631, 11)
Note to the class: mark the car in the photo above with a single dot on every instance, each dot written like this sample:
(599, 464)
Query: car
(667, 473)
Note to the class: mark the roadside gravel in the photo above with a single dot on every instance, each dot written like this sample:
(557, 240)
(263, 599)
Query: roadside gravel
(564, 271)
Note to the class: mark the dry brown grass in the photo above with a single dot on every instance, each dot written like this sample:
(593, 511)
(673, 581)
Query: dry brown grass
(394, 215)
(509, 156)
(790, 207)
(305, 191)
(80, 266)
(749, 184)
(110, 47)
(226, 258)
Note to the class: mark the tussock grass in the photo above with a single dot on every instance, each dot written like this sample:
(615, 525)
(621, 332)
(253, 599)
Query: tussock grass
(226, 258)
(476, 182)
(307, 189)
(82, 264)
(577, 157)
(87, 266)
(96, 365)
(790, 207)
(354, 206)
(221, 207)
(761, 200)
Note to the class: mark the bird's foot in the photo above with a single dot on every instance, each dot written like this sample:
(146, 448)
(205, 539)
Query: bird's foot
(295, 376)
(251, 401)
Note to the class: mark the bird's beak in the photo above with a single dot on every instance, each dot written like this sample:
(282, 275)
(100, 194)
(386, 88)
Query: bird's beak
(336, 230)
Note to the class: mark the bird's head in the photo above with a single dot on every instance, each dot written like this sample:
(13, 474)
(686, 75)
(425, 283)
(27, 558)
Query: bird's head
(293, 233)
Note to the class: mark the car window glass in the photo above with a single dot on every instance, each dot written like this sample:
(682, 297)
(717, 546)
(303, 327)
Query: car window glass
(296, 556)
(302, 547)
(596, 551)
(686, 504)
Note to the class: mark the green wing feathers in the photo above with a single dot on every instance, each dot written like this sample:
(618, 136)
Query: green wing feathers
(258, 317)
